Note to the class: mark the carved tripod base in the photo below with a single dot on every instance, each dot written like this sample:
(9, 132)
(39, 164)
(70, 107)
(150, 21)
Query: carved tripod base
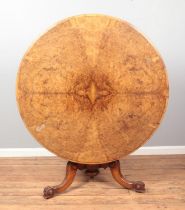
(92, 171)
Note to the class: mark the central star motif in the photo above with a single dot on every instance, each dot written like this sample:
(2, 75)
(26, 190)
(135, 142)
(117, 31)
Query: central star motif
(92, 92)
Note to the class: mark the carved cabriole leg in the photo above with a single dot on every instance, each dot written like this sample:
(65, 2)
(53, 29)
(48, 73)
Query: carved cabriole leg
(71, 169)
(138, 186)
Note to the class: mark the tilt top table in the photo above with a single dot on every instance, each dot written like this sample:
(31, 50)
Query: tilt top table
(92, 90)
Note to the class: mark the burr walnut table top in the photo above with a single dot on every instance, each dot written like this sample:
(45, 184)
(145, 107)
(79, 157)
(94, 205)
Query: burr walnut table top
(92, 89)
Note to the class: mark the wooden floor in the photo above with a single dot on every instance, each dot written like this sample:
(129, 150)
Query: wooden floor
(22, 181)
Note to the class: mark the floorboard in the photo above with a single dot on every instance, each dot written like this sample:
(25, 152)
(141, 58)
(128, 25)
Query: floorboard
(22, 181)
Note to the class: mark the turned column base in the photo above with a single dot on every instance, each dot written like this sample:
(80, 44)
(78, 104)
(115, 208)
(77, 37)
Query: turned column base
(92, 171)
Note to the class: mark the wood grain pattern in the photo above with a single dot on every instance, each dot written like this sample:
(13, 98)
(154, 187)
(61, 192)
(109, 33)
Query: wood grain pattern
(92, 89)
(22, 181)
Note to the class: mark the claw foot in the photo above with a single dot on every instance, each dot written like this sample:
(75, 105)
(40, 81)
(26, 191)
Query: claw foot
(139, 187)
(48, 192)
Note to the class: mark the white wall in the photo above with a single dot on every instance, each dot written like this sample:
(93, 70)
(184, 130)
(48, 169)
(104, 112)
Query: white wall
(22, 21)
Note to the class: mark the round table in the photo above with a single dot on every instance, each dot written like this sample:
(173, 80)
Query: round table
(92, 89)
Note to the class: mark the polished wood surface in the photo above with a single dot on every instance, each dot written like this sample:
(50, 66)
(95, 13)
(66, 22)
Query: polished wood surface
(22, 181)
(92, 89)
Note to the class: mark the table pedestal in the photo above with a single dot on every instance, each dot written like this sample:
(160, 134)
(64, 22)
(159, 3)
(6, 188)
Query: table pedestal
(92, 170)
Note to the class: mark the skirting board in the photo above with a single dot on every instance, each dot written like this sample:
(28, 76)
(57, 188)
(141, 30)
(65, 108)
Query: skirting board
(42, 152)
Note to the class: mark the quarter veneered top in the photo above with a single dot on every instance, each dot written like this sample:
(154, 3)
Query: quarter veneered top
(92, 89)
